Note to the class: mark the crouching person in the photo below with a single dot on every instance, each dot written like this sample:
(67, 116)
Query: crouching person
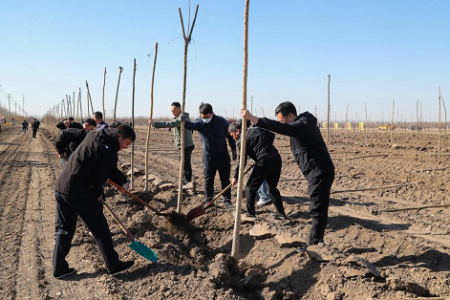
(260, 148)
(77, 193)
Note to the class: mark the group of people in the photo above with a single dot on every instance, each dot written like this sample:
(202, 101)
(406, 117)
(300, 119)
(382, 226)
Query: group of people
(92, 158)
(34, 126)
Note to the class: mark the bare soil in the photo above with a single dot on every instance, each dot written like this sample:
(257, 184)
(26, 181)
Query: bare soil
(392, 255)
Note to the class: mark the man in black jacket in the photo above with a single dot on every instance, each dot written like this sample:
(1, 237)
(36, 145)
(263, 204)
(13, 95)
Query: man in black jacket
(259, 147)
(78, 190)
(69, 123)
(311, 155)
(214, 131)
(69, 139)
(35, 126)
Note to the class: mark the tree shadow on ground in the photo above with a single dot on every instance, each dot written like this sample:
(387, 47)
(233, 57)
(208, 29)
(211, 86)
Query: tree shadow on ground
(434, 260)
(342, 222)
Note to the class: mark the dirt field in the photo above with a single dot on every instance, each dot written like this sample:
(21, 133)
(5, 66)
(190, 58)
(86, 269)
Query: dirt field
(392, 255)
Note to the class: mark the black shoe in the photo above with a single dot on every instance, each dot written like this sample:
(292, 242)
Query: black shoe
(250, 216)
(67, 272)
(121, 267)
(227, 204)
(279, 216)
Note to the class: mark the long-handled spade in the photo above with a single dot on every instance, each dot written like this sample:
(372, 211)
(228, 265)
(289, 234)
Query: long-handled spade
(173, 217)
(201, 210)
(136, 246)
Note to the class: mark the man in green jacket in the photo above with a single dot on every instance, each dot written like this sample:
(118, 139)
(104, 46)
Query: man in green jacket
(188, 142)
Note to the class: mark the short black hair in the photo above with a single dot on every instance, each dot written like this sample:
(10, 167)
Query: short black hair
(237, 125)
(91, 122)
(127, 132)
(176, 104)
(286, 108)
(98, 115)
(70, 118)
(205, 108)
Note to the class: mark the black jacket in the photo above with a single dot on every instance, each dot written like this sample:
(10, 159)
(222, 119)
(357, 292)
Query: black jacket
(259, 146)
(69, 139)
(91, 164)
(307, 144)
(60, 125)
(35, 125)
(213, 136)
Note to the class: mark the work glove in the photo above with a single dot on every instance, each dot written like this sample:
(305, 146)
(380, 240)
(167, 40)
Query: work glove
(182, 118)
(234, 154)
(126, 186)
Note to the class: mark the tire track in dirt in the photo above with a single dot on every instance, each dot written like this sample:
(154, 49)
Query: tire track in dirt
(14, 177)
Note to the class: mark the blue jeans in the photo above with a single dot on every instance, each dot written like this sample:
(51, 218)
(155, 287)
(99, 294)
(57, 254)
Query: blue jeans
(262, 192)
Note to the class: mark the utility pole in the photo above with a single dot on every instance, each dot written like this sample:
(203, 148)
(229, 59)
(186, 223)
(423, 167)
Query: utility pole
(15, 108)
(9, 102)
(23, 102)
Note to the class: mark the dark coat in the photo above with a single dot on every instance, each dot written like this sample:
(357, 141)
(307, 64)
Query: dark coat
(307, 144)
(91, 164)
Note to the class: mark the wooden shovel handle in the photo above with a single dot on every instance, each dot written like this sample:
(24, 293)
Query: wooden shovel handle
(225, 189)
(134, 196)
(128, 233)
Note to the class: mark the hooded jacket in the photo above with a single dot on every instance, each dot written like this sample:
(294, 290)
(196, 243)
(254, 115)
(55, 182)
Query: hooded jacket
(307, 144)
(175, 124)
(91, 164)
(213, 135)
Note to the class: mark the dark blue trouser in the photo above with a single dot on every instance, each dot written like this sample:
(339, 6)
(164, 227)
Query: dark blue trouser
(90, 210)
(210, 167)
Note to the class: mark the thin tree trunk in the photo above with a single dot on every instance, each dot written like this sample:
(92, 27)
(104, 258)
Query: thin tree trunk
(237, 219)
(117, 93)
(151, 116)
(187, 40)
(445, 123)
(346, 123)
(365, 108)
(103, 95)
(328, 110)
(132, 122)
(81, 105)
(439, 128)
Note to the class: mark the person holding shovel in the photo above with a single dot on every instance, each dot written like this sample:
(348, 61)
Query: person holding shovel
(213, 131)
(78, 192)
(175, 108)
(312, 156)
(259, 147)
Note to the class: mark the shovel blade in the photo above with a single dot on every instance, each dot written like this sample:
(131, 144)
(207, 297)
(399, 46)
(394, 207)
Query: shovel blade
(143, 251)
(196, 212)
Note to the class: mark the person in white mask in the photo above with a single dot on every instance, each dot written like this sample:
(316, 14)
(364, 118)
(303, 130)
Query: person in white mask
(213, 130)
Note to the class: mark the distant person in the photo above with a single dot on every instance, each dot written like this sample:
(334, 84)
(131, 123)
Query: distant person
(311, 155)
(78, 191)
(259, 147)
(24, 126)
(98, 117)
(175, 108)
(35, 127)
(213, 131)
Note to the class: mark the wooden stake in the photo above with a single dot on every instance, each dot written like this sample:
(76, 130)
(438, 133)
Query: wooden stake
(151, 116)
(89, 100)
(132, 123)
(117, 93)
(187, 41)
(328, 110)
(81, 105)
(439, 128)
(240, 188)
(103, 97)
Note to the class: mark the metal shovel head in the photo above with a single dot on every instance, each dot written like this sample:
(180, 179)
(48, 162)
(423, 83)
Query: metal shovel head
(144, 251)
(196, 212)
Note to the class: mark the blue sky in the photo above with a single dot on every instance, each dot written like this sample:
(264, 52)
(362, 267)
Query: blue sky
(376, 52)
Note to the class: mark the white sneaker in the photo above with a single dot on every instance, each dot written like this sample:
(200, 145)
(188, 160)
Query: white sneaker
(263, 202)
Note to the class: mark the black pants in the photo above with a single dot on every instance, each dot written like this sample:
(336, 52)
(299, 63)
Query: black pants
(319, 191)
(34, 132)
(90, 210)
(187, 162)
(270, 171)
(210, 167)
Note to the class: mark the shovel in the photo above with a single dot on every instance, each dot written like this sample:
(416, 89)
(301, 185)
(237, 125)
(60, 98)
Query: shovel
(201, 210)
(136, 246)
(157, 212)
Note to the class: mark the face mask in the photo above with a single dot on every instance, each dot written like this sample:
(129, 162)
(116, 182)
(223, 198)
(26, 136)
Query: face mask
(206, 120)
